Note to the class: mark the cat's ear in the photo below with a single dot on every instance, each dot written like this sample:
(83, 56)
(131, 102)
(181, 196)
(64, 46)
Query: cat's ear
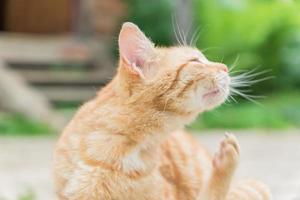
(135, 49)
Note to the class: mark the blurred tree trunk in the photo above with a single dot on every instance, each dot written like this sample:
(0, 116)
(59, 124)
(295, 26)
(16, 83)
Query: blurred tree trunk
(17, 96)
(98, 21)
(98, 18)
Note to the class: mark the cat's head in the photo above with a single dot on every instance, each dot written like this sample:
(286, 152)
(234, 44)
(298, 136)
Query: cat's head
(175, 79)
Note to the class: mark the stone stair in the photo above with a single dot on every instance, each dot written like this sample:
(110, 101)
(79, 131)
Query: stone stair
(60, 67)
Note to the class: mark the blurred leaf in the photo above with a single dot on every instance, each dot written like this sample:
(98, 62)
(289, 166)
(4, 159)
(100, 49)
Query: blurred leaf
(154, 18)
(18, 124)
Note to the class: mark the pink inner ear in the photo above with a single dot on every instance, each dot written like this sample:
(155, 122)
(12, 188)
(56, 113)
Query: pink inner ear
(133, 45)
(130, 50)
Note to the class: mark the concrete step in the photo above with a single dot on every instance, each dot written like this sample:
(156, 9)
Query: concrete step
(60, 67)
(72, 94)
(42, 48)
(65, 77)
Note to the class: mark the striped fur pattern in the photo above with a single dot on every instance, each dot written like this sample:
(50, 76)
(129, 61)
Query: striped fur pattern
(128, 144)
(249, 190)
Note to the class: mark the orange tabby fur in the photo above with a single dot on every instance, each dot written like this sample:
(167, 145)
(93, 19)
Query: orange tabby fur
(123, 144)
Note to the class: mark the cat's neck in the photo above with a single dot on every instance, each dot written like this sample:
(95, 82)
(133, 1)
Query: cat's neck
(124, 137)
(140, 122)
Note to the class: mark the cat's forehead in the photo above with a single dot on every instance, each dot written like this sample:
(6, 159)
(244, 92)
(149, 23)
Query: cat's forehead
(186, 52)
(178, 55)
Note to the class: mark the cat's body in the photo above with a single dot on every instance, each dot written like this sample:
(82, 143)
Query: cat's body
(123, 145)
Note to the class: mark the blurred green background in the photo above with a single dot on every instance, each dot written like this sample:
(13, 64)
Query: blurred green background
(262, 34)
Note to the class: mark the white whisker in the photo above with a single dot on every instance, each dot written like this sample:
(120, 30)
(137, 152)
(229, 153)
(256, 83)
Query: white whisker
(246, 96)
(175, 32)
(181, 34)
(250, 74)
(234, 63)
(197, 32)
(241, 82)
(187, 33)
(232, 98)
(197, 36)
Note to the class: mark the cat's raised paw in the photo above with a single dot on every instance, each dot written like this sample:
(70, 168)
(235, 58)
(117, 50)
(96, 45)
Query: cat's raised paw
(227, 157)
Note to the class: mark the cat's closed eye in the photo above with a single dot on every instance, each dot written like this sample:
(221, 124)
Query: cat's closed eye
(195, 60)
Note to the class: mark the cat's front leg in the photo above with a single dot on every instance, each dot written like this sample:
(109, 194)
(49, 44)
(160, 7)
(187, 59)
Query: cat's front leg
(224, 164)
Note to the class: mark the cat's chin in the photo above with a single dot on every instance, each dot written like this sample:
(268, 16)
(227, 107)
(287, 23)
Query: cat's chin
(207, 101)
(213, 99)
(211, 94)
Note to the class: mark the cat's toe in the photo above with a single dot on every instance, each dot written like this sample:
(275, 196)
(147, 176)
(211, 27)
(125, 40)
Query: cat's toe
(231, 139)
(226, 159)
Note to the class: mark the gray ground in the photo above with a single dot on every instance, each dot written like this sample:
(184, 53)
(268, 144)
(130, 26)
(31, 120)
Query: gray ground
(25, 163)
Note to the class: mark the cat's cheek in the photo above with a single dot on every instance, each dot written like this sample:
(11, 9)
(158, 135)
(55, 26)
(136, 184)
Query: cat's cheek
(196, 101)
(193, 103)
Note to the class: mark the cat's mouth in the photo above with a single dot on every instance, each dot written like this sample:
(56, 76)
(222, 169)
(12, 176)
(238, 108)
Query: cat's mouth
(211, 93)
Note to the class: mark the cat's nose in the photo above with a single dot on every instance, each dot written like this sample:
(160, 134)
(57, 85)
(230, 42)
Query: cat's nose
(222, 67)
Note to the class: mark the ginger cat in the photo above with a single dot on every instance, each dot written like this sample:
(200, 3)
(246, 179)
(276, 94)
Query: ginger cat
(123, 144)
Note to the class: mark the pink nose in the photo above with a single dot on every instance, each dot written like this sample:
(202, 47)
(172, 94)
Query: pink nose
(223, 67)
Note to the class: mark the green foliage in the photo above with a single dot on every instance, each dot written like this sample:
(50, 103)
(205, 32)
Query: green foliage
(29, 195)
(262, 33)
(12, 124)
(154, 18)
